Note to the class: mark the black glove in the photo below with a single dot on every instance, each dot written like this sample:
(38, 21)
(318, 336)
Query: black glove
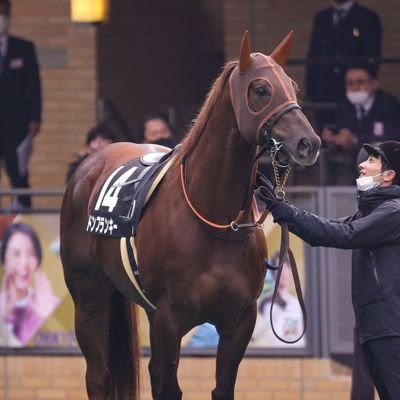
(265, 196)
(262, 180)
(282, 211)
(265, 189)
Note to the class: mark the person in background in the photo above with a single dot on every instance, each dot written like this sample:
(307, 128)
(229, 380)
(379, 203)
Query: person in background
(96, 139)
(26, 297)
(374, 236)
(367, 114)
(345, 30)
(156, 130)
(20, 103)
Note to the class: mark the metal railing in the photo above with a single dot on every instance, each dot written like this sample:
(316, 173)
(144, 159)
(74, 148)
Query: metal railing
(13, 207)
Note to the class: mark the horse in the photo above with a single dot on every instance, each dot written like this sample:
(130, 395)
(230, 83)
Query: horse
(200, 257)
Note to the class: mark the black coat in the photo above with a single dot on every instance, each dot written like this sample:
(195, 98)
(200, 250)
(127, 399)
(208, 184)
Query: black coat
(385, 110)
(358, 35)
(20, 92)
(374, 235)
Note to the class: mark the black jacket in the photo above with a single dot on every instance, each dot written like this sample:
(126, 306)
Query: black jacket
(385, 110)
(374, 235)
(358, 35)
(20, 92)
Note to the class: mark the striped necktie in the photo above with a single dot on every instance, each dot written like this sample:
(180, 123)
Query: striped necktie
(339, 16)
(361, 112)
(1, 59)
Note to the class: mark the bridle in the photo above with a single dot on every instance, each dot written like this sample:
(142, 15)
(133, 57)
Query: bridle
(264, 123)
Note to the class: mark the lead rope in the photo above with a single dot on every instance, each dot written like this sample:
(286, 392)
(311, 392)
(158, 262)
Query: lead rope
(285, 252)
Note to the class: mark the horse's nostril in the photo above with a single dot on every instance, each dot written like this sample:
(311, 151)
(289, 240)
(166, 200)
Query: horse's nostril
(304, 147)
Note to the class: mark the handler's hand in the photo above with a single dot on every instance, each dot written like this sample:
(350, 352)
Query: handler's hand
(265, 195)
(282, 211)
(264, 190)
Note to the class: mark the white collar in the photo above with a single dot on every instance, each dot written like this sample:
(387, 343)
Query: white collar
(368, 104)
(345, 6)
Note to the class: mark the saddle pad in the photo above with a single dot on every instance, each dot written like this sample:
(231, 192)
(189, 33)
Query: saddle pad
(120, 201)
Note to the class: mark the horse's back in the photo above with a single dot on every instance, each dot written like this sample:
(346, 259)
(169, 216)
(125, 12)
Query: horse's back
(97, 167)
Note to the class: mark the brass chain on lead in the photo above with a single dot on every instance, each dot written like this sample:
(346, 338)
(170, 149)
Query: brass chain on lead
(279, 192)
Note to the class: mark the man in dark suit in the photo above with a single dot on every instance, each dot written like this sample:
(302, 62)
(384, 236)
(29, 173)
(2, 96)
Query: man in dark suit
(343, 31)
(20, 103)
(366, 114)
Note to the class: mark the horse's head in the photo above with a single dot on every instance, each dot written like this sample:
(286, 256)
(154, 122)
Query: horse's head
(265, 103)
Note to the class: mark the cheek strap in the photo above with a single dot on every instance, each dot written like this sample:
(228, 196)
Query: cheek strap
(266, 130)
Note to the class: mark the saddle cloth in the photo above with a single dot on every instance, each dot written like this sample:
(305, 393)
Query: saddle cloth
(120, 201)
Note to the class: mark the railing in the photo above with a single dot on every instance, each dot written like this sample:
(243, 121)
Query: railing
(12, 194)
(344, 61)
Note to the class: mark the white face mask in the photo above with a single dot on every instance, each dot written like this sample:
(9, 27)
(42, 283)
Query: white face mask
(368, 182)
(4, 23)
(357, 98)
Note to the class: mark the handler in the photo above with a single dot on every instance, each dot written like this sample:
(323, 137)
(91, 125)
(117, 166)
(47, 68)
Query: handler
(374, 235)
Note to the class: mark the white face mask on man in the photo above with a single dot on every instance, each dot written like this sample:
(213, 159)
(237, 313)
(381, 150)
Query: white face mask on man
(365, 183)
(4, 23)
(358, 98)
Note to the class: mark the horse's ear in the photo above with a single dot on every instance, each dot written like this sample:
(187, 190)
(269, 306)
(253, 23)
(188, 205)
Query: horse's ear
(282, 51)
(244, 58)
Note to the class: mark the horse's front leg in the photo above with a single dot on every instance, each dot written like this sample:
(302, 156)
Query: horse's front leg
(230, 352)
(165, 348)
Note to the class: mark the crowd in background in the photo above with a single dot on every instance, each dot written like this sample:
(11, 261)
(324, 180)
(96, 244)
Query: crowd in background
(342, 80)
(341, 84)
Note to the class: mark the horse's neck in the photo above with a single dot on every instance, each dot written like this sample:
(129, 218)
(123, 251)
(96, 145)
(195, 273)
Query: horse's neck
(220, 167)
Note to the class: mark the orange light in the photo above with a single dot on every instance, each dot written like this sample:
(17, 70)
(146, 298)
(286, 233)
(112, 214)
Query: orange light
(89, 10)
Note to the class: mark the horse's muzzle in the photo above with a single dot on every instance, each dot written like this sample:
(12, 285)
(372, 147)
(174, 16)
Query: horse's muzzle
(307, 149)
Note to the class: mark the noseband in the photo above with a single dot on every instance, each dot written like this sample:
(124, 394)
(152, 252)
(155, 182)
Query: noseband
(266, 129)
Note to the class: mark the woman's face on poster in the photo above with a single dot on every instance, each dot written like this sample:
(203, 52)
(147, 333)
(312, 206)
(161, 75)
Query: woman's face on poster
(20, 260)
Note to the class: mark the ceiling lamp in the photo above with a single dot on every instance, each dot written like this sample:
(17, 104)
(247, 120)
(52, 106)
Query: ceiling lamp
(89, 10)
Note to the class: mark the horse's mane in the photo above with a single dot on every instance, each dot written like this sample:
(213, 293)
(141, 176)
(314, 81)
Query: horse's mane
(199, 123)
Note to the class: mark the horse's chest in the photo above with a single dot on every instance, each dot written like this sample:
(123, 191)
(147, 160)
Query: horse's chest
(225, 291)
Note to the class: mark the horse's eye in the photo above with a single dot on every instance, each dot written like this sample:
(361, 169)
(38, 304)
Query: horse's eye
(261, 91)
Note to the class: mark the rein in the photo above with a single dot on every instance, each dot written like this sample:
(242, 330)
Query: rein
(285, 253)
(234, 225)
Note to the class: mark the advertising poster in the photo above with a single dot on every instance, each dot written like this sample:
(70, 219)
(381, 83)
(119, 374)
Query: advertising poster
(35, 307)
(36, 310)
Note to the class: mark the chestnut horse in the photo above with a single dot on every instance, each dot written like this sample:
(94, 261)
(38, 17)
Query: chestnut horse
(195, 264)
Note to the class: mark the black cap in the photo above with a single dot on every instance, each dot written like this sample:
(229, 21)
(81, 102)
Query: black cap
(389, 151)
